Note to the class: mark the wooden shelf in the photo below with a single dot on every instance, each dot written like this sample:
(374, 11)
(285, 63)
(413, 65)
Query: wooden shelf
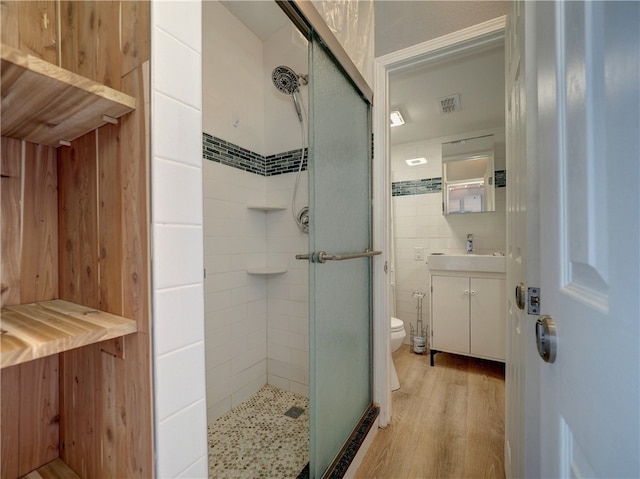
(267, 208)
(267, 270)
(43, 103)
(56, 469)
(36, 330)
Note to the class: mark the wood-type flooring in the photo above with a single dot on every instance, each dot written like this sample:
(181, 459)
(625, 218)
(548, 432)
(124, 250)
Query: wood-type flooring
(448, 421)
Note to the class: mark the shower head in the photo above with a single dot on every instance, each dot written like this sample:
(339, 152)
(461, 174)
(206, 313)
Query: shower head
(285, 80)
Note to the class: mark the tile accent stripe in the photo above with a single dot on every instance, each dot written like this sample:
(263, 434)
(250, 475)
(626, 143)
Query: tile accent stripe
(416, 187)
(434, 185)
(221, 151)
(287, 162)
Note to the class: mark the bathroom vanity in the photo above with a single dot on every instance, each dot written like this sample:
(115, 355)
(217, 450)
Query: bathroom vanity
(468, 305)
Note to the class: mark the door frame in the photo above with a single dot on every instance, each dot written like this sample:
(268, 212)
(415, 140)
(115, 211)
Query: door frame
(487, 34)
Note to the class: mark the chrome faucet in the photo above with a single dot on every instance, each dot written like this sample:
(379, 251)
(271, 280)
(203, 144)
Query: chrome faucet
(469, 243)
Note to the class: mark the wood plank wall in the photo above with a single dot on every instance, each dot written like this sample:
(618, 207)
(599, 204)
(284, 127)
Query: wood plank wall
(29, 397)
(93, 405)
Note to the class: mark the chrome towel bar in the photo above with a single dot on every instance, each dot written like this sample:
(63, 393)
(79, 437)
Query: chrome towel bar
(323, 257)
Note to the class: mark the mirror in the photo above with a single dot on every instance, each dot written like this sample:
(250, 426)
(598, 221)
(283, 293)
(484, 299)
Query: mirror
(467, 175)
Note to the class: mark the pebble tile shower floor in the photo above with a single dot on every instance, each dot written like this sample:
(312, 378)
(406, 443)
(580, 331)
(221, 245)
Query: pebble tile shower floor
(257, 440)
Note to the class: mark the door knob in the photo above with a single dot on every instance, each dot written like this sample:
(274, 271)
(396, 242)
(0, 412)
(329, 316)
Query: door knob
(546, 338)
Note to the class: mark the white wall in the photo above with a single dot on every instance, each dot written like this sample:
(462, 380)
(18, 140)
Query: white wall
(232, 69)
(177, 266)
(288, 294)
(401, 23)
(418, 222)
(235, 302)
(256, 326)
(281, 127)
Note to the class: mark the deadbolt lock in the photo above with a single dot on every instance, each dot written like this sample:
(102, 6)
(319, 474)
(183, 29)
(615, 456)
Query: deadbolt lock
(534, 301)
(546, 338)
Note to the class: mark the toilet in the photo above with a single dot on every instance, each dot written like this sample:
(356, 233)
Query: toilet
(397, 337)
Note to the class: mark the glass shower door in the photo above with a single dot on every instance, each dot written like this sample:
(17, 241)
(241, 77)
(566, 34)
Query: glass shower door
(340, 302)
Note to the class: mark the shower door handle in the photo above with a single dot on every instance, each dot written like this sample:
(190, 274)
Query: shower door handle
(323, 257)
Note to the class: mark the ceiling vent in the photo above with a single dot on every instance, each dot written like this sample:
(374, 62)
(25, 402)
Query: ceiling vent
(448, 104)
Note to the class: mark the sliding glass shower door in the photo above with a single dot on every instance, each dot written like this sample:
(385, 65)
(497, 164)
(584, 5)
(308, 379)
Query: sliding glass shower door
(340, 303)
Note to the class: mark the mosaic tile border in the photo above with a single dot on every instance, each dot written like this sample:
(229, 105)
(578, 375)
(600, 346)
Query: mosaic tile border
(434, 185)
(416, 187)
(224, 152)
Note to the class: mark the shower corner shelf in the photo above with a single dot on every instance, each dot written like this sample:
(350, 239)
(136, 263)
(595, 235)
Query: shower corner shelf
(266, 207)
(264, 270)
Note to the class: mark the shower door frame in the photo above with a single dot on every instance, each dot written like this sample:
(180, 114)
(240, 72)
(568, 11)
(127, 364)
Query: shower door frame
(306, 18)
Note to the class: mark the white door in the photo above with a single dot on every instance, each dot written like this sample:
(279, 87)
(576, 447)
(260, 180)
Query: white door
(519, 325)
(588, 109)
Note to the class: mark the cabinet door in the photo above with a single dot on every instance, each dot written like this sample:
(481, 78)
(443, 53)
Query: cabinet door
(488, 318)
(450, 314)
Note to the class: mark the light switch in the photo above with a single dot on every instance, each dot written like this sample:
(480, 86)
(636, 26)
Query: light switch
(418, 254)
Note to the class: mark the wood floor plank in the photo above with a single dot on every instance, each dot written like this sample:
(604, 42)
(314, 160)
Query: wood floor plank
(448, 421)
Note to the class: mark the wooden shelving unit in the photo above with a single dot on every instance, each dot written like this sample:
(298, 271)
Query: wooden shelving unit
(45, 104)
(77, 390)
(36, 330)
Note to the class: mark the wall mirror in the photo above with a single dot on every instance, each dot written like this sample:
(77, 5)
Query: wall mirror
(468, 176)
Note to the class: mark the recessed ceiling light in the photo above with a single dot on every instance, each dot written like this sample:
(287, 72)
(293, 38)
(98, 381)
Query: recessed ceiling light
(416, 161)
(396, 118)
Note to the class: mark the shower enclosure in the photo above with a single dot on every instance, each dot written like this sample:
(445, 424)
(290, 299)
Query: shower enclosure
(305, 325)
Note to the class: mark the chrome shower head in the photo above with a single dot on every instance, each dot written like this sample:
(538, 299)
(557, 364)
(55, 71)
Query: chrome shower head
(285, 80)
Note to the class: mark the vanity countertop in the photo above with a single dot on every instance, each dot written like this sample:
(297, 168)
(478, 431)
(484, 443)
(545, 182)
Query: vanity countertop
(467, 262)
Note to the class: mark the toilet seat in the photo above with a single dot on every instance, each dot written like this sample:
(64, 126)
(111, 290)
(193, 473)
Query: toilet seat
(396, 325)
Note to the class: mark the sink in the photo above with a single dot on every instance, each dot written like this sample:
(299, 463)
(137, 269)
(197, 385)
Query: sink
(468, 262)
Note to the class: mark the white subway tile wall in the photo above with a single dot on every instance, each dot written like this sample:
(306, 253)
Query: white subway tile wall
(178, 262)
(256, 325)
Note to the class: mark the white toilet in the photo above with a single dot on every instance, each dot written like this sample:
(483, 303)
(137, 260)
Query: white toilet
(397, 337)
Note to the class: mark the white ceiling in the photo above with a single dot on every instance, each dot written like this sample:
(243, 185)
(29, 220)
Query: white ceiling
(477, 77)
(262, 18)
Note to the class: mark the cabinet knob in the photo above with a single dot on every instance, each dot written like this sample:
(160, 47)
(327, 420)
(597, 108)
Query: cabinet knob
(473, 293)
(466, 292)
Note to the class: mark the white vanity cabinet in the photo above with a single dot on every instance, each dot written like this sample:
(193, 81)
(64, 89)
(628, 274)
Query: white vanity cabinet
(468, 314)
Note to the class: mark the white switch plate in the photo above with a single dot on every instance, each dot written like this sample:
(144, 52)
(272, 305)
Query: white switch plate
(418, 254)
